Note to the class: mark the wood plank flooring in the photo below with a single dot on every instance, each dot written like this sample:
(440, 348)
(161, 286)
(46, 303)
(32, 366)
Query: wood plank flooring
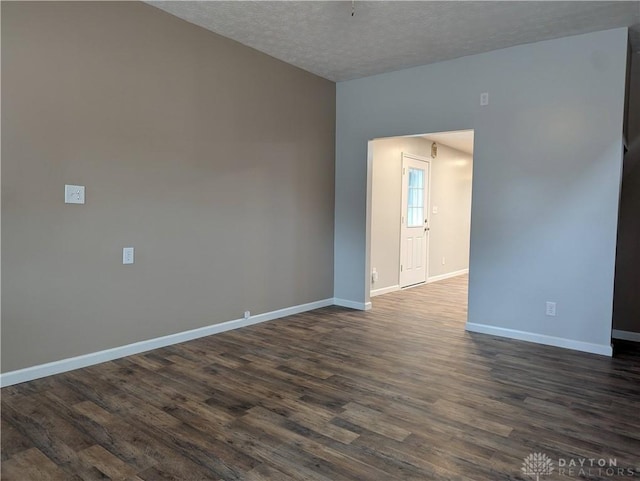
(401, 392)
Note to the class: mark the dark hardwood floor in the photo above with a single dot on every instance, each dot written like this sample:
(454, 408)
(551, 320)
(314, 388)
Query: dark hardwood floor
(401, 392)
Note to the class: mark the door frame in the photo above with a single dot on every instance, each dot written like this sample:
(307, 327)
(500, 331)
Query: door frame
(427, 212)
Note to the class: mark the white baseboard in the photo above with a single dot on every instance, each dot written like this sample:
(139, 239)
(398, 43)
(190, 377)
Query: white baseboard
(361, 306)
(384, 290)
(72, 363)
(625, 335)
(602, 349)
(448, 275)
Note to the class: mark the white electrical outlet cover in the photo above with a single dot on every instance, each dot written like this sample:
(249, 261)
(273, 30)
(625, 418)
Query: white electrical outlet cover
(550, 308)
(484, 98)
(127, 255)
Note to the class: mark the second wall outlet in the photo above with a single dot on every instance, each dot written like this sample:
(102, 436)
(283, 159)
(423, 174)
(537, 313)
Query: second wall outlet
(551, 309)
(247, 314)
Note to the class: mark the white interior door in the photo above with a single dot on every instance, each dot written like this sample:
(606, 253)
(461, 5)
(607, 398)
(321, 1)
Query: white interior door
(414, 228)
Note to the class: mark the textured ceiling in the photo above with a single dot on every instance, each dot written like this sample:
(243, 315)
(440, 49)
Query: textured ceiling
(323, 37)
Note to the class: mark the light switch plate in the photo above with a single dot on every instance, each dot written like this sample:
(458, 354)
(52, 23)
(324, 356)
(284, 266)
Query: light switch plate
(74, 194)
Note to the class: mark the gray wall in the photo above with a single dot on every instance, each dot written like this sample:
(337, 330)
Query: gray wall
(626, 306)
(547, 169)
(215, 161)
(451, 175)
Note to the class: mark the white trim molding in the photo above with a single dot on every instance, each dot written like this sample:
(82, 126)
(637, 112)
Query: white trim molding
(72, 363)
(602, 349)
(360, 306)
(384, 290)
(625, 335)
(448, 275)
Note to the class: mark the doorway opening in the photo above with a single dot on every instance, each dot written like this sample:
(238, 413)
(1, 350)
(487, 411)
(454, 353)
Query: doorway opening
(421, 188)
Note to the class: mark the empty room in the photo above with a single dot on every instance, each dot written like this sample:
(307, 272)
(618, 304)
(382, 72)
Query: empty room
(326, 241)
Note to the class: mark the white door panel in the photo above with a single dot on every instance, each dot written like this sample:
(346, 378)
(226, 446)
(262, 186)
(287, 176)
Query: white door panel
(414, 229)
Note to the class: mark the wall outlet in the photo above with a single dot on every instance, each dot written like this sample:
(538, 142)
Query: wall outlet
(435, 209)
(484, 98)
(443, 261)
(127, 255)
(247, 314)
(374, 275)
(551, 308)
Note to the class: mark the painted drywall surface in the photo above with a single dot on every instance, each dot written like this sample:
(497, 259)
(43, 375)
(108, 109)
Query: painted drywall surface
(451, 174)
(214, 161)
(626, 306)
(451, 177)
(546, 176)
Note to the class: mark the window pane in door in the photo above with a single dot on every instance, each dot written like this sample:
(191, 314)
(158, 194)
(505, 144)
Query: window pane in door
(415, 198)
